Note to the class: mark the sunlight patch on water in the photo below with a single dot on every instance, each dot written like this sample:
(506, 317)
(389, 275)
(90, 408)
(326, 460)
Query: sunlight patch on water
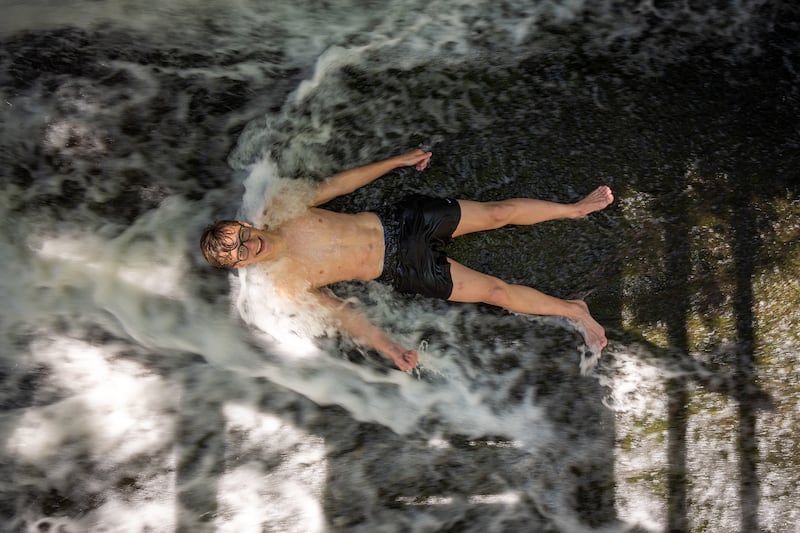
(286, 496)
(72, 137)
(508, 498)
(111, 412)
(636, 395)
(111, 404)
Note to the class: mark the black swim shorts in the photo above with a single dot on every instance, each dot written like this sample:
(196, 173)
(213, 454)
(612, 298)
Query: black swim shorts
(415, 231)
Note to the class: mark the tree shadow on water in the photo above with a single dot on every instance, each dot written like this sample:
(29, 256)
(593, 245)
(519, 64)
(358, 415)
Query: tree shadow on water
(711, 223)
(743, 388)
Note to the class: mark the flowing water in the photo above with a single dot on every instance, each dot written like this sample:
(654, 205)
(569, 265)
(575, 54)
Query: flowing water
(143, 391)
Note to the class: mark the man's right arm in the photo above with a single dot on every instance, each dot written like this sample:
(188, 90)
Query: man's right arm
(361, 329)
(350, 180)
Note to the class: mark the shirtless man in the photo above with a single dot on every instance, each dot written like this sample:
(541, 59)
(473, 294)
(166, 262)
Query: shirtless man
(400, 245)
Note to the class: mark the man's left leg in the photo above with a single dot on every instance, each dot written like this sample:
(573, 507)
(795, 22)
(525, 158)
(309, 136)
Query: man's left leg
(473, 286)
(480, 216)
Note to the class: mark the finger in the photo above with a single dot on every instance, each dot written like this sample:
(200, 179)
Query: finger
(423, 164)
(411, 357)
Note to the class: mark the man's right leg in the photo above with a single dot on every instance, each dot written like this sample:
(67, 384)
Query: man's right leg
(480, 216)
(473, 286)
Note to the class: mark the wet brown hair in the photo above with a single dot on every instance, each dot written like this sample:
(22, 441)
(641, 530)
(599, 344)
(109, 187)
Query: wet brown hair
(215, 241)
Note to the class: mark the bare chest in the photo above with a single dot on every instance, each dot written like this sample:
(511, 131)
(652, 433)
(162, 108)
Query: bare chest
(325, 247)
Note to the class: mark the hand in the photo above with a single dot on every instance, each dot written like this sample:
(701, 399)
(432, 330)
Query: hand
(404, 359)
(415, 158)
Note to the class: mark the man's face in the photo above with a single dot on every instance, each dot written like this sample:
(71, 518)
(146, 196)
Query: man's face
(248, 245)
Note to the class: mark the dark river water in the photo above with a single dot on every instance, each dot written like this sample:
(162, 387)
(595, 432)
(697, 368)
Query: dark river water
(142, 391)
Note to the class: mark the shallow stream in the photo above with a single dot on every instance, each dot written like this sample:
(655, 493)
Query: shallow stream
(133, 397)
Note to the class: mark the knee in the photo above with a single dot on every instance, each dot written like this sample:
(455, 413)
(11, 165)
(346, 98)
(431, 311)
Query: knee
(498, 294)
(501, 213)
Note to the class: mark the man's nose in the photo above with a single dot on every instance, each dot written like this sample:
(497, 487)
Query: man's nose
(251, 243)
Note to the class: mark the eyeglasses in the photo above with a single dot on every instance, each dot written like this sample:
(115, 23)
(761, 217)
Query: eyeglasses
(244, 235)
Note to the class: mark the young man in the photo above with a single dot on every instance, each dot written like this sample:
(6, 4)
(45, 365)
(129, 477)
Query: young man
(401, 245)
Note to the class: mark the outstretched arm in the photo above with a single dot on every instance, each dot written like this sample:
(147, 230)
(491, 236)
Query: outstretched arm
(350, 180)
(357, 326)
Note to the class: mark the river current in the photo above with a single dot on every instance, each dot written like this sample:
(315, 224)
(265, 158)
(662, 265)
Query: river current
(142, 391)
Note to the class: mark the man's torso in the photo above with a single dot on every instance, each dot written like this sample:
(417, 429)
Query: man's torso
(324, 247)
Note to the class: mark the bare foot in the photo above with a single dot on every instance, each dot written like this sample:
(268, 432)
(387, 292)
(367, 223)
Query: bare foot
(594, 333)
(594, 201)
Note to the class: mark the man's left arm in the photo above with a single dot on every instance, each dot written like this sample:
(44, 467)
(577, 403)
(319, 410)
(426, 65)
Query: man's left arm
(350, 180)
(362, 330)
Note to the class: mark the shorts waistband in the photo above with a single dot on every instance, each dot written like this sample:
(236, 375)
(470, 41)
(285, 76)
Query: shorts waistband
(391, 231)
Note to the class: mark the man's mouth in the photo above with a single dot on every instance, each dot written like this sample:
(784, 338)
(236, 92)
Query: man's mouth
(260, 245)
